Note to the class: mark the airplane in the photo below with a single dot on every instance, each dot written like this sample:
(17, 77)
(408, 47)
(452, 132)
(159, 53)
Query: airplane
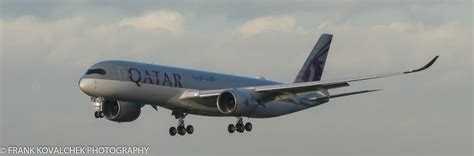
(119, 89)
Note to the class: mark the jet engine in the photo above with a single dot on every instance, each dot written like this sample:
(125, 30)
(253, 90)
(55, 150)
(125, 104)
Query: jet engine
(236, 102)
(121, 111)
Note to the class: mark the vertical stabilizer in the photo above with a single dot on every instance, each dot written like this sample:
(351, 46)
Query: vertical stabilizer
(312, 69)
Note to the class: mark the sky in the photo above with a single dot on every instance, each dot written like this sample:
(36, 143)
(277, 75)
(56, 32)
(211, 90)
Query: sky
(47, 45)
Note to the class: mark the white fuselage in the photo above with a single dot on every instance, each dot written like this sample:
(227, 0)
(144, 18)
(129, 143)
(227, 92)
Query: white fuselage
(162, 86)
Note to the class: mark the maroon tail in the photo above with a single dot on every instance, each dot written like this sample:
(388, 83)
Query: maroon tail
(312, 69)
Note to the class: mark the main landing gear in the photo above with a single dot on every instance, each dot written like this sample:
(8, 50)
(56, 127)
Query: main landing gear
(181, 129)
(239, 126)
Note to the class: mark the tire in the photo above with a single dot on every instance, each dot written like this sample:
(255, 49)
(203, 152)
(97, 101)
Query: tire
(96, 114)
(248, 126)
(240, 127)
(181, 130)
(101, 114)
(190, 129)
(173, 131)
(231, 128)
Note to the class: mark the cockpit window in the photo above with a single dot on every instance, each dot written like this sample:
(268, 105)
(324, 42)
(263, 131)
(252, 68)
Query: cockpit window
(96, 71)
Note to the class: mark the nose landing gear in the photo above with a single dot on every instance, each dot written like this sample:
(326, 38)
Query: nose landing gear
(98, 114)
(239, 126)
(98, 101)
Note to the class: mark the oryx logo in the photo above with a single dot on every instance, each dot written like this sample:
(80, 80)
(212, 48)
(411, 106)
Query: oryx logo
(314, 70)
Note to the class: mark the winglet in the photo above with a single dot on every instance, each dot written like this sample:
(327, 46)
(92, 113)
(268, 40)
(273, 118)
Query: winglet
(424, 67)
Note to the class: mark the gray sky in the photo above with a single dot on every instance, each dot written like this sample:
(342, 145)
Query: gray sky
(47, 45)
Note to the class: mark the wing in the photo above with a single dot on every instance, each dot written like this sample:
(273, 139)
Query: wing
(301, 87)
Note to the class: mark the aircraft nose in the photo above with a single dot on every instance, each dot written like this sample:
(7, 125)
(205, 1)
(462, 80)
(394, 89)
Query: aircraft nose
(85, 85)
(81, 84)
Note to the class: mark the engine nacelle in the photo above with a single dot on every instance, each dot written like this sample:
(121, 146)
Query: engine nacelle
(121, 111)
(236, 102)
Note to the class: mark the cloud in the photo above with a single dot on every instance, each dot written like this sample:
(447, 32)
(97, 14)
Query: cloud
(170, 21)
(79, 42)
(269, 24)
(53, 54)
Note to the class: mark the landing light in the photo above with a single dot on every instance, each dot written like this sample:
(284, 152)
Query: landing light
(97, 104)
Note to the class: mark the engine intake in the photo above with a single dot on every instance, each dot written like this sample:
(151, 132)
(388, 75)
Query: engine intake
(236, 102)
(121, 111)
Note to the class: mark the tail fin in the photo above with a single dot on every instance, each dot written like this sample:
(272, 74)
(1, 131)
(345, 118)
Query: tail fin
(312, 69)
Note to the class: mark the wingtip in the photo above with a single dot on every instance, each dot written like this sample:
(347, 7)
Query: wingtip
(424, 67)
(434, 59)
(431, 62)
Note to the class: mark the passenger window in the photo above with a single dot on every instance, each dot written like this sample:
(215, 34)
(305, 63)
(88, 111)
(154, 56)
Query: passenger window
(96, 71)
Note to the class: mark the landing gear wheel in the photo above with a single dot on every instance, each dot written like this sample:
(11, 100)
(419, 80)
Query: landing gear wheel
(248, 126)
(173, 131)
(231, 128)
(181, 130)
(240, 127)
(190, 129)
(98, 102)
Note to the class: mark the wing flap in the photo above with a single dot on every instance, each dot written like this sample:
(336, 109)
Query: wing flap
(301, 87)
(294, 88)
(353, 93)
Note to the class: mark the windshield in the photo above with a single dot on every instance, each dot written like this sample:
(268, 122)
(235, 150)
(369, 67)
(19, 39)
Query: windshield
(96, 71)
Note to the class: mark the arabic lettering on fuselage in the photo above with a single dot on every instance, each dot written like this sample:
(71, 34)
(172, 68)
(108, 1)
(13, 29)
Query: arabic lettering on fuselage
(154, 77)
(201, 77)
